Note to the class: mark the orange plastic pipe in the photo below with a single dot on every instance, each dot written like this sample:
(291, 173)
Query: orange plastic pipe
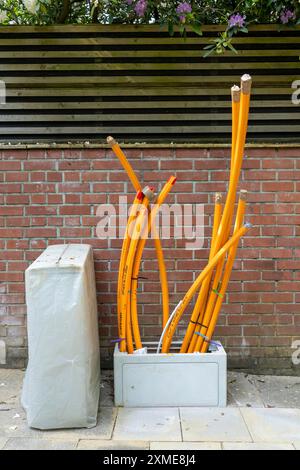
(124, 162)
(235, 106)
(163, 279)
(125, 317)
(216, 223)
(138, 257)
(217, 286)
(159, 252)
(246, 82)
(228, 209)
(126, 242)
(195, 286)
(227, 273)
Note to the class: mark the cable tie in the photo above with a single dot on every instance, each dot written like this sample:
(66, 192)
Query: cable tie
(215, 291)
(207, 340)
(198, 323)
(118, 340)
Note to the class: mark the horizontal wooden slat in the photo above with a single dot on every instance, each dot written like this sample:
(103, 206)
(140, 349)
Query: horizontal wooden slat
(141, 92)
(131, 53)
(105, 105)
(129, 67)
(141, 41)
(143, 117)
(136, 80)
(138, 29)
(209, 129)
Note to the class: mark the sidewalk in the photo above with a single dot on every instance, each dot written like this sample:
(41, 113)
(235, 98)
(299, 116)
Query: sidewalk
(263, 413)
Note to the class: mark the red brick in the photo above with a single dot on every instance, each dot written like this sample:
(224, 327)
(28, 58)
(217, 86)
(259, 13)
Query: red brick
(73, 188)
(14, 154)
(39, 165)
(278, 186)
(54, 176)
(10, 165)
(39, 188)
(275, 297)
(40, 233)
(73, 165)
(277, 163)
(11, 210)
(10, 188)
(11, 233)
(36, 153)
(289, 152)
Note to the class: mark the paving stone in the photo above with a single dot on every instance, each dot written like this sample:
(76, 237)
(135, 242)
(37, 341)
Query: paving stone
(103, 430)
(148, 424)
(213, 425)
(18, 443)
(107, 389)
(13, 424)
(273, 424)
(280, 392)
(185, 446)
(95, 444)
(257, 446)
(3, 441)
(242, 390)
(11, 382)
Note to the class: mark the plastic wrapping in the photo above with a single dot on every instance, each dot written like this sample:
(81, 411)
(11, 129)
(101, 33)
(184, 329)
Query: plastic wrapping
(62, 381)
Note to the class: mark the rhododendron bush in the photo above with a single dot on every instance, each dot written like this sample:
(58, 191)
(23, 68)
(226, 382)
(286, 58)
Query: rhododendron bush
(179, 15)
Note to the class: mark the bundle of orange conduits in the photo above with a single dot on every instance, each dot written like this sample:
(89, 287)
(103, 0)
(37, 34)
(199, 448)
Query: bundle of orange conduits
(212, 282)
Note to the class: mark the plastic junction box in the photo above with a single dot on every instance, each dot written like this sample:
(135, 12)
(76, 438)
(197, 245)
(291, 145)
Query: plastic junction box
(145, 380)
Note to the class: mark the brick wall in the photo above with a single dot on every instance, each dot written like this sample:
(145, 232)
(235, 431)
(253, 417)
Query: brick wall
(50, 195)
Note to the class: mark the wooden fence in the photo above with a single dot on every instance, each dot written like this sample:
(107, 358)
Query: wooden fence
(81, 83)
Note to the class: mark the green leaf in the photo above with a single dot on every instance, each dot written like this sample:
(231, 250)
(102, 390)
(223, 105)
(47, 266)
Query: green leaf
(197, 29)
(171, 28)
(230, 46)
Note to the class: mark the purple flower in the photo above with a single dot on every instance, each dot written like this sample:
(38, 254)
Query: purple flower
(184, 7)
(286, 16)
(182, 10)
(236, 20)
(141, 7)
(129, 2)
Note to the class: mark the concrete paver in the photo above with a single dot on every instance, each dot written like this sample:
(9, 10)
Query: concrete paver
(11, 381)
(19, 443)
(242, 390)
(185, 446)
(282, 392)
(273, 424)
(106, 389)
(103, 430)
(95, 444)
(13, 424)
(149, 424)
(3, 441)
(256, 446)
(213, 424)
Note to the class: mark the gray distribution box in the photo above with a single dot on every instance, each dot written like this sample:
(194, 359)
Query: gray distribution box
(62, 383)
(145, 380)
